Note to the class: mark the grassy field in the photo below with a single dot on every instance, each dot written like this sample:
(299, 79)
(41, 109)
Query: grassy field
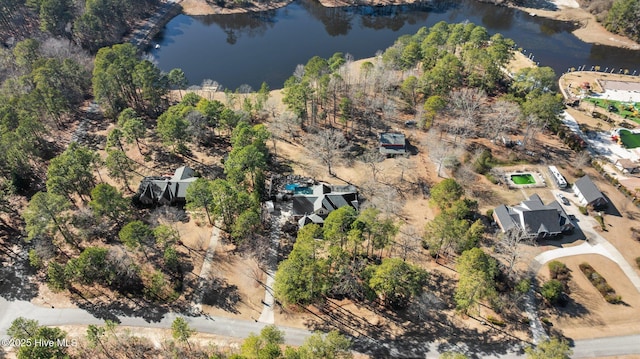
(630, 139)
(622, 108)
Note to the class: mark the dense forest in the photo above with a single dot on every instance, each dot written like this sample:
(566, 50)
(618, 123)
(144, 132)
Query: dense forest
(623, 18)
(618, 16)
(90, 24)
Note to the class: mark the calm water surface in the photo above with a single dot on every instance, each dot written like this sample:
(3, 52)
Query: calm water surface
(251, 48)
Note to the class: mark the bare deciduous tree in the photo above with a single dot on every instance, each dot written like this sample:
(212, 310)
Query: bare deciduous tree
(531, 128)
(373, 158)
(326, 146)
(406, 166)
(439, 150)
(284, 126)
(465, 106)
(512, 246)
(384, 198)
(502, 118)
(408, 243)
(466, 176)
(582, 159)
(198, 126)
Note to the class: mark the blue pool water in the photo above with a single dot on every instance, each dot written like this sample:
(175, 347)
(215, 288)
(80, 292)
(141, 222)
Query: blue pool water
(298, 189)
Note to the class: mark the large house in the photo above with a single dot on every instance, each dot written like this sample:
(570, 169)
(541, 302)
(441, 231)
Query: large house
(315, 203)
(392, 144)
(588, 194)
(534, 217)
(166, 190)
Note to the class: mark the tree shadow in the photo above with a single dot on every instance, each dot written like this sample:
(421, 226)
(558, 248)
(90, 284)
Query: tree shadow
(16, 272)
(110, 309)
(216, 292)
(570, 308)
(406, 332)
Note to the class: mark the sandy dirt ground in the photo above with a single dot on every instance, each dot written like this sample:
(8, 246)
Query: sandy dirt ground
(567, 10)
(201, 7)
(417, 211)
(588, 315)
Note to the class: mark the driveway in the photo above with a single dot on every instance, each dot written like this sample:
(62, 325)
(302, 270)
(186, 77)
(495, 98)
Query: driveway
(595, 244)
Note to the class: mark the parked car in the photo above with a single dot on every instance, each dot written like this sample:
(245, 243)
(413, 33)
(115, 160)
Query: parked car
(564, 199)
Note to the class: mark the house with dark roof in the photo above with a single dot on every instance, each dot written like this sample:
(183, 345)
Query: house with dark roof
(315, 205)
(392, 144)
(588, 194)
(534, 217)
(166, 190)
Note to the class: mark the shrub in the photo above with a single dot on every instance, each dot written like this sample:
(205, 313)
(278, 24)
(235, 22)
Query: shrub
(600, 220)
(551, 291)
(638, 261)
(583, 210)
(492, 178)
(490, 213)
(484, 162)
(495, 321)
(607, 292)
(546, 321)
(635, 233)
(613, 298)
(557, 268)
(34, 259)
(523, 286)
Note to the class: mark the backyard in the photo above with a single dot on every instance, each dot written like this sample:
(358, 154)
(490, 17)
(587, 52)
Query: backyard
(627, 110)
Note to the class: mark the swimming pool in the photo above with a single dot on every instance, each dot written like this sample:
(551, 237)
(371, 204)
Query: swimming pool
(524, 178)
(298, 189)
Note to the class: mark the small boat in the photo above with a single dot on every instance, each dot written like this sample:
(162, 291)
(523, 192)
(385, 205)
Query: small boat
(157, 46)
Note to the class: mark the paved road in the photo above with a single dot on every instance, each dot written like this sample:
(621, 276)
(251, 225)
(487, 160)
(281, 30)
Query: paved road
(74, 316)
(9, 310)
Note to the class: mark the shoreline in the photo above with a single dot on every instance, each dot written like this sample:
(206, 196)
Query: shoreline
(589, 31)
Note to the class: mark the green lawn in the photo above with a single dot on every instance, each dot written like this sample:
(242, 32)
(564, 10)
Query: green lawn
(630, 139)
(621, 110)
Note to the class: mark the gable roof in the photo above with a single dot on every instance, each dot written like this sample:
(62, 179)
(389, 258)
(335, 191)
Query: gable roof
(165, 190)
(324, 199)
(182, 173)
(588, 189)
(541, 221)
(392, 143)
(533, 216)
(504, 217)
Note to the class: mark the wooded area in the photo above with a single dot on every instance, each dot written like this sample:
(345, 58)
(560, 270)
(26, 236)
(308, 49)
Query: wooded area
(85, 231)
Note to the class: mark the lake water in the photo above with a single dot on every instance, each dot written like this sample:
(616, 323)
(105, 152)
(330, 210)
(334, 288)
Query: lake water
(251, 48)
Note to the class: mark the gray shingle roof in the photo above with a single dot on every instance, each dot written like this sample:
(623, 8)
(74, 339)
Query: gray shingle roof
(166, 190)
(303, 205)
(392, 143)
(534, 216)
(324, 200)
(588, 189)
(504, 217)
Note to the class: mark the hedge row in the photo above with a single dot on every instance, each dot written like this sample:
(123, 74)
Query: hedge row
(600, 283)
